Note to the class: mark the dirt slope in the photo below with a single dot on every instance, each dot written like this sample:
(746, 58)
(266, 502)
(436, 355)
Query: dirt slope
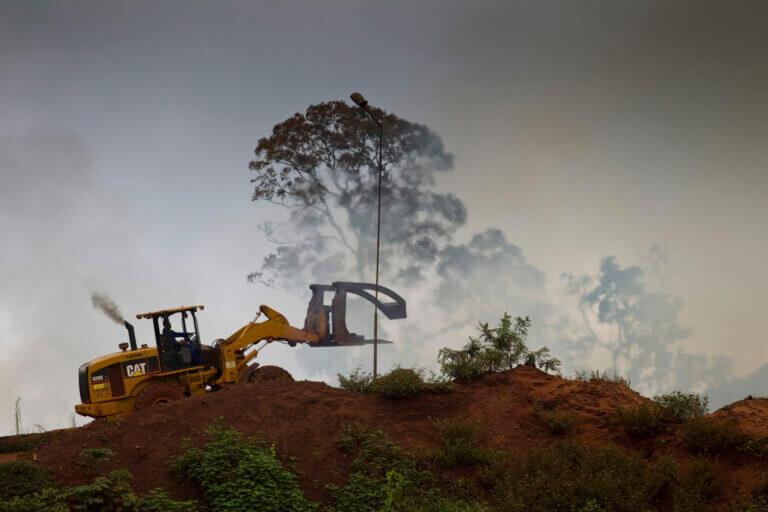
(304, 420)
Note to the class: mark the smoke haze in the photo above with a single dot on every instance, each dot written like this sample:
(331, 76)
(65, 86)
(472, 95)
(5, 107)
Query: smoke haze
(576, 136)
(107, 306)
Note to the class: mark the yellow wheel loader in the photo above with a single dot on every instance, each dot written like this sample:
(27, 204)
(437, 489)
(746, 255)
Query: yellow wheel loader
(180, 365)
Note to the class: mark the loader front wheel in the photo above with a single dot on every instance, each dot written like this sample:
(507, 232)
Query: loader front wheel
(155, 394)
(263, 373)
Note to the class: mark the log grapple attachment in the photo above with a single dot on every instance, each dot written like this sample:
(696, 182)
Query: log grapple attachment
(328, 322)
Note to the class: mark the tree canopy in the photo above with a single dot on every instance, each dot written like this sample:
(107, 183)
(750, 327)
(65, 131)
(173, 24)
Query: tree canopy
(322, 167)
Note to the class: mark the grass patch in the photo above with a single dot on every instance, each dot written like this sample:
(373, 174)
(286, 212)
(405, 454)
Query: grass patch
(598, 376)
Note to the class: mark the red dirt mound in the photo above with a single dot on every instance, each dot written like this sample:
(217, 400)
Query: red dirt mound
(304, 420)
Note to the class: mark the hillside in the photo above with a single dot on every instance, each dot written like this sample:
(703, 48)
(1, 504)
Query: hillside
(304, 420)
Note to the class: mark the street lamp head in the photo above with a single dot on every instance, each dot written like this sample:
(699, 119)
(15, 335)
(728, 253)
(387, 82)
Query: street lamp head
(358, 99)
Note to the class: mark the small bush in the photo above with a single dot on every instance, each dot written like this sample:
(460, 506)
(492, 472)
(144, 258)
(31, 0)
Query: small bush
(575, 477)
(157, 500)
(108, 493)
(384, 478)
(358, 380)
(461, 444)
(557, 423)
(604, 376)
(495, 350)
(437, 383)
(757, 448)
(694, 488)
(399, 383)
(683, 406)
(708, 436)
(20, 477)
(641, 421)
(239, 473)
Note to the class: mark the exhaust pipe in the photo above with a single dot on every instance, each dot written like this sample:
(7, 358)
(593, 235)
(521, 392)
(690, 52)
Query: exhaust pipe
(131, 334)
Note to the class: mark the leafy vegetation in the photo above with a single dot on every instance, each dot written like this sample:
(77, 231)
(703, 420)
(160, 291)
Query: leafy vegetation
(683, 406)
(495, 350)
(357, 381)
(557, 423)
(757, 448)
(20, 477)
(641, 421)
(398, 383)
(385, 478)
(240, 473)
(461, 444)
(110, 493)
(709, 436)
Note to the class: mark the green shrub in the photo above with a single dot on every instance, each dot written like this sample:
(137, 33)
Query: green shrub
(683, 406)
(399, 383)
(384, 478)
(694, 488)
(368, 486)
(437, 383)
(239, 473)
(20, 477)
(708, 436)
(357, 381)
(571, 476)
(557, 423)
(23, 443)
(110, 493)
(157, 500)
(495, 350)
(755, 447)
(641, 421)
(461, 444)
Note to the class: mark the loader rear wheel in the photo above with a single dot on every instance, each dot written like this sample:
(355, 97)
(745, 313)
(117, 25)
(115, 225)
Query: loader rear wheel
(155, 394)
(263, 373)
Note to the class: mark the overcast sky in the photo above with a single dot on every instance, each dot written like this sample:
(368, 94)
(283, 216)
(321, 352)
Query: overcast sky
(581, 129)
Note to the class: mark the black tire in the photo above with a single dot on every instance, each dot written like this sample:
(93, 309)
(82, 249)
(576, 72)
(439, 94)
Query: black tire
(155, 394)
(263, 373)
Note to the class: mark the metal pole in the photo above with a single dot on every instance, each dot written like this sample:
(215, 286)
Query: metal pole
(363, 103)
(378, 242)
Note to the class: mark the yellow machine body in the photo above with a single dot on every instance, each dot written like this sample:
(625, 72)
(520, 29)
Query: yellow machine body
(116, 384)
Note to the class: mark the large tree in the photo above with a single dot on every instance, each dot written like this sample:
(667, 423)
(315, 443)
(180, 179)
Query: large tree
(322, 167)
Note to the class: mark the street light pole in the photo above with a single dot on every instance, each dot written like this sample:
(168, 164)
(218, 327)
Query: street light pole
(363, 103)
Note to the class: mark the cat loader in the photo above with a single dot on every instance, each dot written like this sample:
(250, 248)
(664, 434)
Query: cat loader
(180, 365)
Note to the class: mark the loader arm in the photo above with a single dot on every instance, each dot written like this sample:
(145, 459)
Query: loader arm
(238, 349)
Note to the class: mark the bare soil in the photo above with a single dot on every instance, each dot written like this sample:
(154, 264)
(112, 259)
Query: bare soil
(304, 420)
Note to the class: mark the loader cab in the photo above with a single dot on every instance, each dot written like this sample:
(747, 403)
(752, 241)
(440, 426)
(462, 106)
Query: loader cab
(177, 336)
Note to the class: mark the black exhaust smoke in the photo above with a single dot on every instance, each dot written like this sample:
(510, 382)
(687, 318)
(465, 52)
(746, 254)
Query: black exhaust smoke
(131, 334)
